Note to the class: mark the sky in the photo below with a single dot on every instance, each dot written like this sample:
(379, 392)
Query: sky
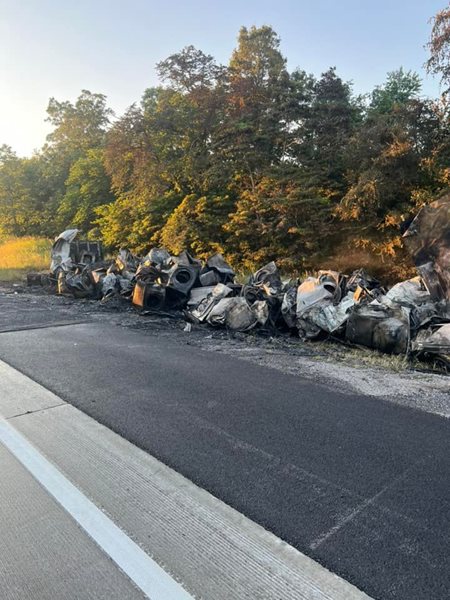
(56, 48)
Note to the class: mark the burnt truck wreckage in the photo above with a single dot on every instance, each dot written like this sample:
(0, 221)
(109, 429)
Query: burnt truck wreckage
(411, 318)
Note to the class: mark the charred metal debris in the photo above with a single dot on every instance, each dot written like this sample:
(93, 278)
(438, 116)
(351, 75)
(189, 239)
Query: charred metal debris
(411, 318)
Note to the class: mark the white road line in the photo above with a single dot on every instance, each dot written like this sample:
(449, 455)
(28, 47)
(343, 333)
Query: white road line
(140, 568)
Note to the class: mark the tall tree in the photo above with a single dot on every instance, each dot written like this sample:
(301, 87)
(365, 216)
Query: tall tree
(400, 87)
(21, 188)
(439, 47)
(87, 187)
(393, 165)
(190, 70)
(79, 126)
(249, 135)
(326, 133)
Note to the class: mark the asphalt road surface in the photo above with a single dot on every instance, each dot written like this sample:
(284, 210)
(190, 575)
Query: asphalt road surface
(356, 483)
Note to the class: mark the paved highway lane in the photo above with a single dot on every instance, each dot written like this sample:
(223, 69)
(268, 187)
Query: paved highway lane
(358, 484)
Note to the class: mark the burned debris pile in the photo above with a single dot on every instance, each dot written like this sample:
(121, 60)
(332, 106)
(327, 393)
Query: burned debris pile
(412, 317)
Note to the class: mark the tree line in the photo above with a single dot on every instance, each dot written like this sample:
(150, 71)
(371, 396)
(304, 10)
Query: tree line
(247, 159)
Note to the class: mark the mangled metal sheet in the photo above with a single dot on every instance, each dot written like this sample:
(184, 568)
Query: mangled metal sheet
(289, 306)
(428, 241)
(126, 263)
(201, 312)
(261, 310)
(79, 284)
(380, 327)
(219, 312)
(108, 285)
(315, 299)
(331, 317)
(216, 270)
(186, 259)
(60, 255)
(312, 292)
(268, 279)
(413, 295)
(236, 314)
(67, 252)
(240, 316)
(198, 294)
(364, 281)
(158, 256)
(408, 293)
(434, 341)
(148, 273)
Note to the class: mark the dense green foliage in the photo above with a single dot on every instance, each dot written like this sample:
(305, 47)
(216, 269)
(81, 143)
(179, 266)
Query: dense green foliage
(247, 159)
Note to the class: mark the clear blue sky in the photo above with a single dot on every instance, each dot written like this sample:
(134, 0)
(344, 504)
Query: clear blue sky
(56, 48)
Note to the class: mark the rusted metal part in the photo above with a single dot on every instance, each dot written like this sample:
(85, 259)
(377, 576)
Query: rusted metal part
(149, 296)
(126, 263)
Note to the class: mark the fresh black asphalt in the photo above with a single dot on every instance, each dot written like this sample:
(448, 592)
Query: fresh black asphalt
(357, 483)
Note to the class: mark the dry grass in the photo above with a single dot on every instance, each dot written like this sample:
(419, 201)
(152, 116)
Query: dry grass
(20, 255)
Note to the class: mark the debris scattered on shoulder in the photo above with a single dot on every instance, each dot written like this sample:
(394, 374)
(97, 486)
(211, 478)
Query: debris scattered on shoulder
(411, 318)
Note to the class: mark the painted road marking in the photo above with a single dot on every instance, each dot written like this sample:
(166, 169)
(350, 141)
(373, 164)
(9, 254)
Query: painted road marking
(140, 568)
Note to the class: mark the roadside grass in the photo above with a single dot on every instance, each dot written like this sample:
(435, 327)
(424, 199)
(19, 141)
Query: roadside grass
(363, 358)
(21, 255)
(368, 357)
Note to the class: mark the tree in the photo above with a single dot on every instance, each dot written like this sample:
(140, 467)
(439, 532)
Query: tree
(20, 195)
(87, 187)
(400, 88)
(6, 154)
(279, 221)
(160, 151)
(190, 70)
(190, 111)
(439, 48)
(11, 192)
(248, 137)
(248, 159)
(197, 225)
(80, 126)
(325, 135)
(135, 220)
(394, 163)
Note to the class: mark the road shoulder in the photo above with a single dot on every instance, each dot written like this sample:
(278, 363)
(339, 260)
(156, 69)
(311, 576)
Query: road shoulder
(211, 549)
